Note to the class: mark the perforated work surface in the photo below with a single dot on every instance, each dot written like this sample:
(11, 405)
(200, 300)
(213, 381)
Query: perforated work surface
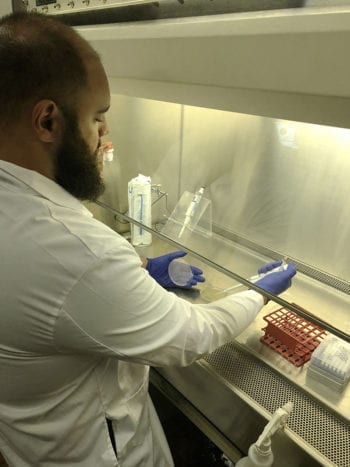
(319, 428)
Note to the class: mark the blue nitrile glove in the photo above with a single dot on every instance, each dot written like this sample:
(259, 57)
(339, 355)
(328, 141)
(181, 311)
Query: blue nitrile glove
(158, 269)
(269, 266)
(277, 282)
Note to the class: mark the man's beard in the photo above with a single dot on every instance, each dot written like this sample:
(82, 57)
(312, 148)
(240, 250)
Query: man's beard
(76, 167)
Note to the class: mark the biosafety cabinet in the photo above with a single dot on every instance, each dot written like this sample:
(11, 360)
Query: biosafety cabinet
(254, 106)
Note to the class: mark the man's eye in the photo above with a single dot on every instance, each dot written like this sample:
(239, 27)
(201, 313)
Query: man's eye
(98, 120)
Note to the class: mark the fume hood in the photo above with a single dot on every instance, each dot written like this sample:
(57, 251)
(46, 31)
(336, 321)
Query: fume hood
(253, 106)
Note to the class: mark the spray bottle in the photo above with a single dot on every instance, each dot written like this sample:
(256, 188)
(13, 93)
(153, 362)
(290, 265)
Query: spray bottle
(260, 453)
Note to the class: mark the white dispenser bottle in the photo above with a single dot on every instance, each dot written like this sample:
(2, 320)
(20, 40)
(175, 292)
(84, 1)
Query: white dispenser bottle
(260, 453)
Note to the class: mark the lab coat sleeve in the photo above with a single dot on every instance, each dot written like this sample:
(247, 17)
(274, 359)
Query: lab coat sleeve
(116, 309)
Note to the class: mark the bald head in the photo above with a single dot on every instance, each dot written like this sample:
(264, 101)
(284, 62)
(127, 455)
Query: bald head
(40, 58)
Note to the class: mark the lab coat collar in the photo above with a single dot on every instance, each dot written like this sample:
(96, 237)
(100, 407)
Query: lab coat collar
(44, 186)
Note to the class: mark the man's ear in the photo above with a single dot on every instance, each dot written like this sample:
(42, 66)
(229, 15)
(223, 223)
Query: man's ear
(47, 121)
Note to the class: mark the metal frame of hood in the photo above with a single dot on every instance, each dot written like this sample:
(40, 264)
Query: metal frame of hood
(83, 13)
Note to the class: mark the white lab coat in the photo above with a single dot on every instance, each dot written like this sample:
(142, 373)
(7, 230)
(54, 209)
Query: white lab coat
(80, 323)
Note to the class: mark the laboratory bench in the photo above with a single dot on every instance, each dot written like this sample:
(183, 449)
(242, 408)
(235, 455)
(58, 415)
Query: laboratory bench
(231, 393)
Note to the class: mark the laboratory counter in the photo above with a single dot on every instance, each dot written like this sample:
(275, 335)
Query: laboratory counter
(231, 393)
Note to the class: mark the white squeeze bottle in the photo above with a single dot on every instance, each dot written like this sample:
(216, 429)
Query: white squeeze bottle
(260, 453)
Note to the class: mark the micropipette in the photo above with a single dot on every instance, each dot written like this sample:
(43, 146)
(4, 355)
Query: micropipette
(192, 209)
(255, 278)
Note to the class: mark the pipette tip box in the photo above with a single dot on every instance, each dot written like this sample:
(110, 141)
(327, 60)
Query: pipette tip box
(330, 363)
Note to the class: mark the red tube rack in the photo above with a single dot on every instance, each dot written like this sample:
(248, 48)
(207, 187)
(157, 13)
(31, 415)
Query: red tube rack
(291, 336)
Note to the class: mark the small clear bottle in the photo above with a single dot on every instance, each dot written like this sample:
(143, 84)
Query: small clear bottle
(108, 151)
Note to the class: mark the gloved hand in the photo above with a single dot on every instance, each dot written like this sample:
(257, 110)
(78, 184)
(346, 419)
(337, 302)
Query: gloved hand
(277, 282)
(158, 269)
